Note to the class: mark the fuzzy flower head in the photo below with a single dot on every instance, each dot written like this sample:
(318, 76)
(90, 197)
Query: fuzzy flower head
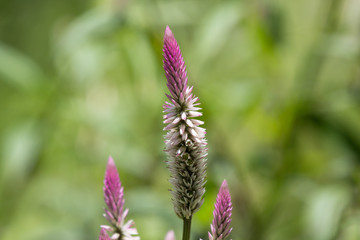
(220, 227)
(115, 213)
(185, 140)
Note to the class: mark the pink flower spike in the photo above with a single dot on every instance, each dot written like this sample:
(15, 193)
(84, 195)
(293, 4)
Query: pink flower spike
(115, 213)
(220, 227)
(113, 192)
(185, 141)
(170, 235)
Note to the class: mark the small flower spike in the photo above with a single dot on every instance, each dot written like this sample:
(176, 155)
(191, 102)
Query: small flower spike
(220, 227)
(185, 140)
(104, 235)
(170, 235)
(115, 213)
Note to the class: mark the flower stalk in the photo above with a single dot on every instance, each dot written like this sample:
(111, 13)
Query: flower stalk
(186, 229)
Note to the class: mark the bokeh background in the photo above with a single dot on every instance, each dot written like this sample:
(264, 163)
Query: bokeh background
(279, 83)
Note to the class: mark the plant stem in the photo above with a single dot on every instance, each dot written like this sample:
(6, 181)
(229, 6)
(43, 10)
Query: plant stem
(186, 229)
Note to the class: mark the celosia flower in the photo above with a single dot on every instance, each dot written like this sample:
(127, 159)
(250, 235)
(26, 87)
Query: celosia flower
(220, 227)
(115, 213)
(170, 235)
(185, 140)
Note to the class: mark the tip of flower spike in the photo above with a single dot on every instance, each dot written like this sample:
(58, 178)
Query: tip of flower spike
(168, 33)
(224, 185)
(170, 235)
(111, 171)
(111, 162)
(220, 227)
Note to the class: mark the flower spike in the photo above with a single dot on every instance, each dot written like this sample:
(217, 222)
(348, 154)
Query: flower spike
(170, 235)
(185, 140)
(115, 213)
(220, 227)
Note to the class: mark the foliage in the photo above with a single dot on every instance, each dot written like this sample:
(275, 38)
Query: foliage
(279, 85)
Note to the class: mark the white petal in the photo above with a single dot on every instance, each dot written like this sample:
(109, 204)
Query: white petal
(182, 129)
(194, 114)
(189, 122)
(193, 132)
(183, 116)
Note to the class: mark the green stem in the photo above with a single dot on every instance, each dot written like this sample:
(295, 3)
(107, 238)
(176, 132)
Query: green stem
(186, 229)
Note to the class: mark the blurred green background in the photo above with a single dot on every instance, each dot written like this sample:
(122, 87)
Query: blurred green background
(279, 83)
